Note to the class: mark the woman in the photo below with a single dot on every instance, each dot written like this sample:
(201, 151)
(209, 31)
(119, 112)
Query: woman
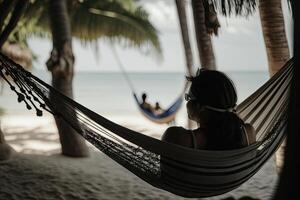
(210, 102)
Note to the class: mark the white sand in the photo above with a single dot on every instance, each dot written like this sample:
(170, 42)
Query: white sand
(38, 171)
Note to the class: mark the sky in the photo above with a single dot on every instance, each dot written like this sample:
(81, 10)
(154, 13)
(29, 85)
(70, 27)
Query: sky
(239, 46)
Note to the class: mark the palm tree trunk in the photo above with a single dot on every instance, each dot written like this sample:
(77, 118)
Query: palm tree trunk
(204, 43)
(180, 5)
(61, 65)
(273, 28)
(5, 149)
(5, 8)
(13, 21)
(289, 178)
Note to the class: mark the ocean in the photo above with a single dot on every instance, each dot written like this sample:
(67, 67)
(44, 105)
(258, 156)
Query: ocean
(110, 92)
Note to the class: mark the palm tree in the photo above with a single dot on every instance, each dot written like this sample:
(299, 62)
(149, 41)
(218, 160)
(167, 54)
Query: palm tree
(10, 13)
(277, 48)
(114, 21)
(61, 65)
(278, 53)
(206, 23)
(5, 149)
(272, 22)
(87, 20)
(181, 11)
(15, 9)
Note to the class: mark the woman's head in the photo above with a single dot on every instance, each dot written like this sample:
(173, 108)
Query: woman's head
(211, 100)
(210, 89)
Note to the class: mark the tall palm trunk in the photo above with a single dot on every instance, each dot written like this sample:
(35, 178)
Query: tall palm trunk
(273, 28)
(61, 65)
(5, 149)
(204, 43)
(289, 178)
(180, 5)
(8, 8)
(19, 9)
(272, 22)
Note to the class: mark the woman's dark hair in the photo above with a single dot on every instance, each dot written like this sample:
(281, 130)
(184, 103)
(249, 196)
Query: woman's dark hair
(214, 89)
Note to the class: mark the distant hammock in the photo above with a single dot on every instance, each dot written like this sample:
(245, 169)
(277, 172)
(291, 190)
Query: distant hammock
(168, 115)
(183, 171)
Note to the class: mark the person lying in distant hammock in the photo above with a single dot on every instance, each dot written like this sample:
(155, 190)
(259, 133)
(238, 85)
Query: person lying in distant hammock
(147, 106)
(157, 109)
(210, 102)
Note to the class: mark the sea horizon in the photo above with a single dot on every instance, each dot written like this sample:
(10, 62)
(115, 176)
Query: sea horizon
(102, 91)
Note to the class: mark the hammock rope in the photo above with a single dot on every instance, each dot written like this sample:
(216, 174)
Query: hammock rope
(122, 68)
(168, 115)
(179, 170)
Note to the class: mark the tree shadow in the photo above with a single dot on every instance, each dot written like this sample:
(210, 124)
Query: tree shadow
(34, 140)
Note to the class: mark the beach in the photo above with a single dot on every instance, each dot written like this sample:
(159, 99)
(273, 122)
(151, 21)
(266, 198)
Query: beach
(37, 170)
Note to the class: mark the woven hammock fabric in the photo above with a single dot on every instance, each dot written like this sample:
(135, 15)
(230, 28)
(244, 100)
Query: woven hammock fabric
(182, 171)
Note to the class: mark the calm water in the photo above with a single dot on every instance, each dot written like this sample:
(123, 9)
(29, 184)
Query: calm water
(110, 93)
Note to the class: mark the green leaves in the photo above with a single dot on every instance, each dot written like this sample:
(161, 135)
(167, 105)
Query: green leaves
(237, 7)
(120, 21)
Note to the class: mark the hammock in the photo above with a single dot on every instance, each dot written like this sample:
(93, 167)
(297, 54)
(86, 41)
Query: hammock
(179, 170)
(165, 117)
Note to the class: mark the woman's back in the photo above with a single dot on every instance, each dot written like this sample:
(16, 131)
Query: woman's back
(201, 138)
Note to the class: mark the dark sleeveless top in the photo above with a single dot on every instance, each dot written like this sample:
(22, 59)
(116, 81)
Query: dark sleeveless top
(244, 135)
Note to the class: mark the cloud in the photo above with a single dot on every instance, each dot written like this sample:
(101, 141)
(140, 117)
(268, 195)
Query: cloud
(162, 14)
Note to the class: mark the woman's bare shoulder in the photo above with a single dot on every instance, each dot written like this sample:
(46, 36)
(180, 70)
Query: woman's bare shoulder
(173, 130)
(175, 134)
(251, 133)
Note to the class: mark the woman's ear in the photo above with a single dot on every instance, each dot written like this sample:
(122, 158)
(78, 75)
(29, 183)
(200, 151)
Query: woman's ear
(198, 110)
(199, 107)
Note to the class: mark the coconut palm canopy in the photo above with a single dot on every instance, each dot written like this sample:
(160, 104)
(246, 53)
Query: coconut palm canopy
(119, 20)
(238, 7)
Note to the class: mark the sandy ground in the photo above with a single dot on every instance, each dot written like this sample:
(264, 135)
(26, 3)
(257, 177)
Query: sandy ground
(38, 171)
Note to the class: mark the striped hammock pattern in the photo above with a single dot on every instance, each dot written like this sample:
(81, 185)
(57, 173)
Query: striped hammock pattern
(179, 170)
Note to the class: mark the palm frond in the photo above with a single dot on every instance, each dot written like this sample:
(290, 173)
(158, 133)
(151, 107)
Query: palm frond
(116, 21)
(236, 7)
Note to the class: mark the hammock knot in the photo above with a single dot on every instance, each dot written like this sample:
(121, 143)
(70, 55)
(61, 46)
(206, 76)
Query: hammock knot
(28, 106)
(20, 97)
(39, 113)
